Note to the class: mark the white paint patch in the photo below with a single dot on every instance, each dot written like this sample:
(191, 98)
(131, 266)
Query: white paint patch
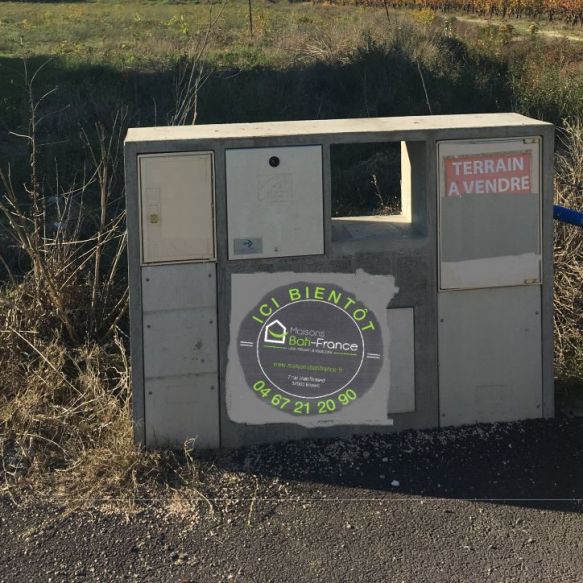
(491, 272)
(243, 406)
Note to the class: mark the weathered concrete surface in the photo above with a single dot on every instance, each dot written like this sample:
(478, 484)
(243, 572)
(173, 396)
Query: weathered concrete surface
(340, 127)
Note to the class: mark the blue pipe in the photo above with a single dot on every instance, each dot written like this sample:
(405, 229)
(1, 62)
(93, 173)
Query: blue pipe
(565, 215)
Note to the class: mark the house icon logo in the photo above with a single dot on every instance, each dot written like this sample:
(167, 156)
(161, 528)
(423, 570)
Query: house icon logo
(275, 333)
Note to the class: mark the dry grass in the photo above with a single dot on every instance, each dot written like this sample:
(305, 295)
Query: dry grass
(66, 430)
(568, 256)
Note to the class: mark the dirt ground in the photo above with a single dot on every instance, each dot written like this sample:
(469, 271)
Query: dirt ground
(483, 503)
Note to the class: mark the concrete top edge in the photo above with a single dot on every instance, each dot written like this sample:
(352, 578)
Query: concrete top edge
(331, 126)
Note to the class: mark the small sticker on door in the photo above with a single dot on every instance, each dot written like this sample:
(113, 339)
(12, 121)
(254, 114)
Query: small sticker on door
(248, 246)
(493, 173)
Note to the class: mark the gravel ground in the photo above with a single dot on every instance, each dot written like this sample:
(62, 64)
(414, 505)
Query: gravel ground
(486, 503)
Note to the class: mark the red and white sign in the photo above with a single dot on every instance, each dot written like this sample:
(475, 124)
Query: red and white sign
(496, 173)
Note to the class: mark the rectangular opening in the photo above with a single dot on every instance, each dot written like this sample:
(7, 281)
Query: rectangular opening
(378, 190)
(366, 179)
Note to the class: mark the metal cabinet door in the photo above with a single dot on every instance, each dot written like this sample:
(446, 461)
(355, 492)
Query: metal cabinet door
(490, 366)
(489, 213)
(275, 202)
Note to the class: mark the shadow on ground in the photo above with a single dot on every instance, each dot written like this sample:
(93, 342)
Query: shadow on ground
(378, 81)
(535, 463)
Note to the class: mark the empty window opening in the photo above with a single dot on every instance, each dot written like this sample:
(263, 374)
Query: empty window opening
(366, 179)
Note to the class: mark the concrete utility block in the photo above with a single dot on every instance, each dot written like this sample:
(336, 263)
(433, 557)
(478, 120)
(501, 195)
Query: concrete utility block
(256, 316)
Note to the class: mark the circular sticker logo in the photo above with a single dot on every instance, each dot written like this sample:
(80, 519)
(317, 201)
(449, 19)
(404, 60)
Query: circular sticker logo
(310, 349)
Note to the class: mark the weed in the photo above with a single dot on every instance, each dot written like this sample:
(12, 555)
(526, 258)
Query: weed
(568, 256)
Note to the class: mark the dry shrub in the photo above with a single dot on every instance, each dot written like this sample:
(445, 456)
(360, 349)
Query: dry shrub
(65, 417)
(568, 256)
(66, 430)
(312, 43)
(66, 436)
(65, 422)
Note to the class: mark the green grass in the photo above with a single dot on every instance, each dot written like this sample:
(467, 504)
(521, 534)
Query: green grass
(147, 33)
(302, 61)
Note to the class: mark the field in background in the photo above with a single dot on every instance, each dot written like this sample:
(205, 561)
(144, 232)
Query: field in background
(141, 32)
(147, 34)
(74, 76)
(301, 60)
(568, 11)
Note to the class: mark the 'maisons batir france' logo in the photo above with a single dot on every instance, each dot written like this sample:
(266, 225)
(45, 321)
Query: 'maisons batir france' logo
(275, 332)
(310, 348)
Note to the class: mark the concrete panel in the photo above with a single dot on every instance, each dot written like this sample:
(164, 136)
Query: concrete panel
(181, 408)
(406, 179)
(135, 285)
(360, 129)
(414, 184)
(177, 207)
(548, 157)
(178, 287)
(275, 202)
(180, 354)
(402, 360)
(179, 342)
(490, 355)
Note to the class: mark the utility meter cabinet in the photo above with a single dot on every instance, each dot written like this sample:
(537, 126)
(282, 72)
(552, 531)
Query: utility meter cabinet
(258, 314)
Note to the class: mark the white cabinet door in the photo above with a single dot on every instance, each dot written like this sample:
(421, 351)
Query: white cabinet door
(275, 202)
(177, 207)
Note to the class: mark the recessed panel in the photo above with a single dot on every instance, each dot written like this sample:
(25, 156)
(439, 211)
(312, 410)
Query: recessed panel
(489, 213)
(490, 366)
(401, 360)
(181, 408)
(176, 196)
(275, 202)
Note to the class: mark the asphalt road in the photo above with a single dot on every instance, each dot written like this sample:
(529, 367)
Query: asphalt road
(487, 503)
